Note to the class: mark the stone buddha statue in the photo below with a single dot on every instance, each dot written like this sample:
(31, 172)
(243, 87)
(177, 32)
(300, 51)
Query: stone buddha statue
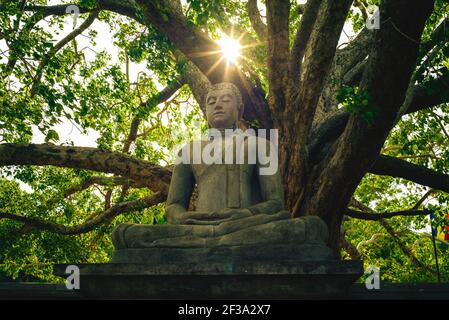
(240, 201)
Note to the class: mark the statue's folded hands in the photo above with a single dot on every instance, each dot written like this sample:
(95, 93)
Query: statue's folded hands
(181, 217)
(207, 218)
(214, 218)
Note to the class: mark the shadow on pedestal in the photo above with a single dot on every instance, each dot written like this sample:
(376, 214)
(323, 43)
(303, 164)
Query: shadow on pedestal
(218, 280)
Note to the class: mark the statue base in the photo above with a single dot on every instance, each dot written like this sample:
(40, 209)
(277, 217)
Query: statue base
(288, 279)
(311, 251)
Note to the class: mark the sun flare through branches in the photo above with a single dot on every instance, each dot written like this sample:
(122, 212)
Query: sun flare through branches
(230, 49)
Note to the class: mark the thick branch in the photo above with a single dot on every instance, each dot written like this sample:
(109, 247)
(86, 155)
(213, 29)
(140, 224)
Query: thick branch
(384, 215)
(199, 84)
(302, 37)
(317, 61)
(332, 126)
(440, 34)
(430, 93)
(398, 168)
(256, 21)
(90, 224)
(354, 76)
(344, 61)
(122, 7)
(278, 56)
(355, 51)
(155, 177)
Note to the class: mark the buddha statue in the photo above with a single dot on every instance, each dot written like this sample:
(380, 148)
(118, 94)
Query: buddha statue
(240, 196)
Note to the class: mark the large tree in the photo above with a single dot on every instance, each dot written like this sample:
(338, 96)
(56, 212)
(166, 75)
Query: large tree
(341, 109)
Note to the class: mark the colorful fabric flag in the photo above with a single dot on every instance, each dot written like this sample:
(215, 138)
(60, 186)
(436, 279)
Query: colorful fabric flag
(443, 232)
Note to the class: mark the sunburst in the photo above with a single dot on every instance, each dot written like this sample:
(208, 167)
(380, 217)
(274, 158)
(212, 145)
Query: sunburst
(230, 49)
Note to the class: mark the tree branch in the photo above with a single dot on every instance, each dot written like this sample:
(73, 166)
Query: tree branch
(72, 35)
(392, 233)
(355, 51)
(318, 57)
(350, 248)
(345, 59)
(384, 215)
(199, 84)
(354, 76)
(302, 37)
(371, 240)
(149, 105)
(423, 198)
(107, 199)
(122, 7)
(13, 55)
(162, 95)
(426, 95)
(390, 166)
(439, 34)
(104, 181)
(404, 248)
(278, 57)
(430, 93)
(256, 21)
(155, 177)
(92, 223)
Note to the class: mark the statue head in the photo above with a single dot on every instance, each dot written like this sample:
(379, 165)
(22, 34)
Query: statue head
(224, 106)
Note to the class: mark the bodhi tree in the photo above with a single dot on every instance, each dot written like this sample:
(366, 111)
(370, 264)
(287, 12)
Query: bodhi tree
(362, 122)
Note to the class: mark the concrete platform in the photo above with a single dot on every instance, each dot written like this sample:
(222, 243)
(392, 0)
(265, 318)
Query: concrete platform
(280, 280)
(36, 291)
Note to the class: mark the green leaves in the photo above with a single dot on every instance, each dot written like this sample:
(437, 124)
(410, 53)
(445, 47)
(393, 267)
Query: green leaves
(52, 136)
(88, 4)
(359, 103)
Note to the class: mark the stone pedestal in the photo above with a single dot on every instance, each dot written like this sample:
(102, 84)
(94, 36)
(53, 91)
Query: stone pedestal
(311, 251)
(288, 279)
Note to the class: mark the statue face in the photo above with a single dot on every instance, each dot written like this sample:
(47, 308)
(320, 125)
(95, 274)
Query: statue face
(222, 108)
